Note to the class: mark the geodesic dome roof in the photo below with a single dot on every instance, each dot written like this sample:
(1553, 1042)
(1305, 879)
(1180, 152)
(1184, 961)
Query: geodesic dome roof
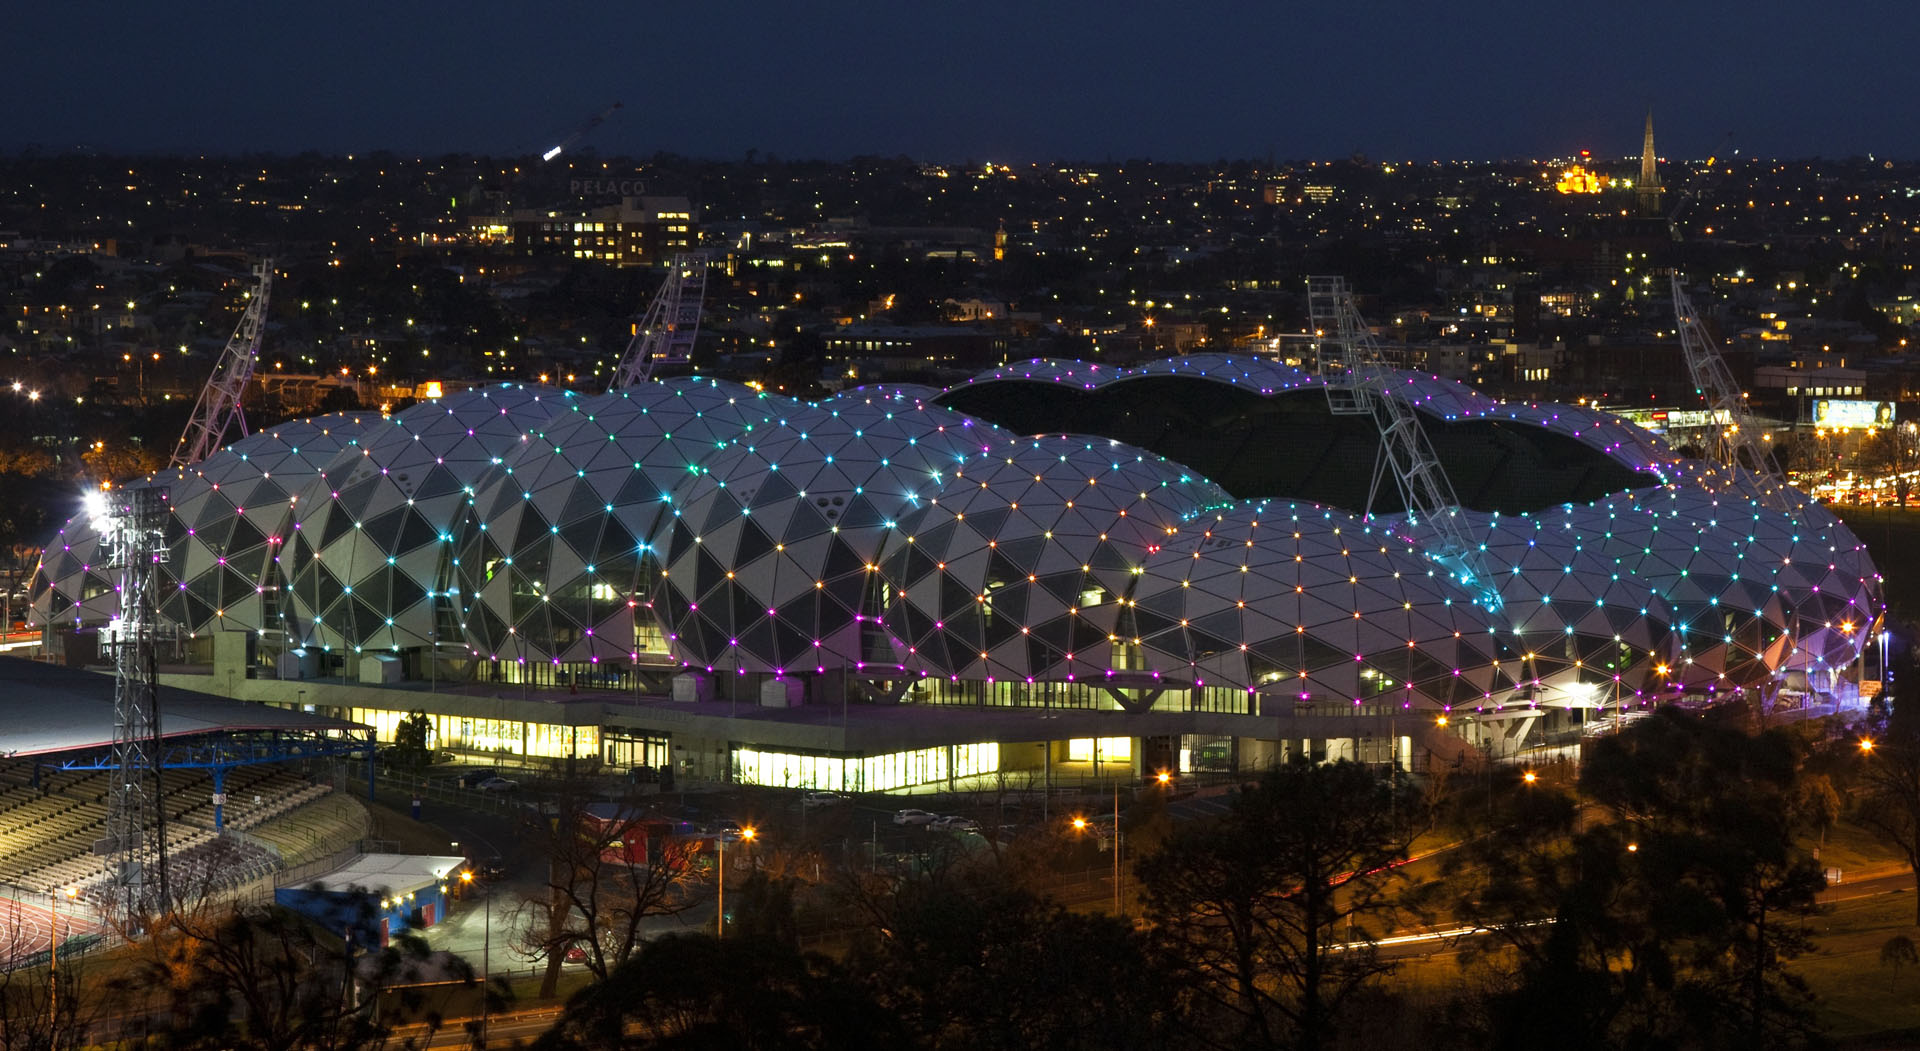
(878, 531)
(229, 515)
(1577, 627)
(371, 532)
(555, 554)
(770, 553)
(1308, 602)
(1014, 566)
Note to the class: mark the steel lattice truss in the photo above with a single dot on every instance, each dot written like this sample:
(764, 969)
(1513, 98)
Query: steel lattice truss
(218, 410)
(1739, 442)
(1356, 376)
(666, 334)
(134, 520)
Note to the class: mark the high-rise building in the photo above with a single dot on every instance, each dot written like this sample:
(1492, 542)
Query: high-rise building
(1649, 188)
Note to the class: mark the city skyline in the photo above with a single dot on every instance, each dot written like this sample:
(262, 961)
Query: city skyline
(988, 82)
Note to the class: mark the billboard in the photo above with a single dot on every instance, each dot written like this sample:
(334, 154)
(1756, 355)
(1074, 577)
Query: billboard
(1835, 414)
(1661, 420)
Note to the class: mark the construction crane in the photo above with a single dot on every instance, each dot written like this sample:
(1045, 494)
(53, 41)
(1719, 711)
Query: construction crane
(579, 133)
(665, 335)
(1737, 441)
(1355, 374)
(219, 405)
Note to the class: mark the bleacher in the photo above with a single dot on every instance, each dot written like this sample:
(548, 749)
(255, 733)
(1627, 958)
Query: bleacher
(48, 830)
(317, 829)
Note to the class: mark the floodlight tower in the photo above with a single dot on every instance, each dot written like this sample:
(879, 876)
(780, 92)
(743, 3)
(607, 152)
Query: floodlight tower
(219, 405)
(1352, 367)
(132, 522)
(1737, 442)
(666, 334)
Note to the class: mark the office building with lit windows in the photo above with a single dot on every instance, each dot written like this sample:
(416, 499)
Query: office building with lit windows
(639, 231)
(1054, 569)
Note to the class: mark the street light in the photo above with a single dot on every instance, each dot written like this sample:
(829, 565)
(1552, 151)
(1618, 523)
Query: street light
(486, 951)
(720, 898)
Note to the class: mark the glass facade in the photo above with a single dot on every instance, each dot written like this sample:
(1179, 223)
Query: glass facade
(522, 739)
(873, 773)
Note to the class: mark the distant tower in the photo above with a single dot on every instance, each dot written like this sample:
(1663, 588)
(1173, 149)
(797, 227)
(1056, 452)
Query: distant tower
(1649, 188)
(1000, 242)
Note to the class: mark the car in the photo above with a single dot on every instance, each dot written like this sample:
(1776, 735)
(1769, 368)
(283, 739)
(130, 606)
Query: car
(816, 800)
(956, 823)
(498, 784)
(914, 817)
(576, 954)
(727, 829)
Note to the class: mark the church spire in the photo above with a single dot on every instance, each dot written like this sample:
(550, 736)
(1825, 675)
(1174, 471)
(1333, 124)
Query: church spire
(1649, 188)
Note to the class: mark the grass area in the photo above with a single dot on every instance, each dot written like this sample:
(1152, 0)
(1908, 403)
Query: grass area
(1852, 848)
(412, 837)
(1859, 996)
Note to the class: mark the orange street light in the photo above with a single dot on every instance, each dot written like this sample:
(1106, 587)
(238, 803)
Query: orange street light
(1529, 777)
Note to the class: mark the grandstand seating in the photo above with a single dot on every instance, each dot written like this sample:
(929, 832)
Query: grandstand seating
(313, 830)
(48, 831)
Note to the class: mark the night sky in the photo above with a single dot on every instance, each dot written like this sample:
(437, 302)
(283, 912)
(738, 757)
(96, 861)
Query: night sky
(987, 80)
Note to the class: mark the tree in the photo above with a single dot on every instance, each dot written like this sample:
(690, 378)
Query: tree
(1669, 919)
(609, 868)
(119, 460)
(270, 978)
(977, 963)
(1892, 450)
(33, 1016)
(1817, 805)
(1895, 953)
(1888, 800)
(1270, 911)
(412, 741)
(694, 991)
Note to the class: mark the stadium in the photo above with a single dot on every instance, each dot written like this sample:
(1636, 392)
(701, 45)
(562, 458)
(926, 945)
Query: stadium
(1053, 566)
(235, 811)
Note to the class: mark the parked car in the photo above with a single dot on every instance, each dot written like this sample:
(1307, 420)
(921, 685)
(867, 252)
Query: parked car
(727, 829)
(956, 823)
(816, 800)
(914, 817)
(498, 784)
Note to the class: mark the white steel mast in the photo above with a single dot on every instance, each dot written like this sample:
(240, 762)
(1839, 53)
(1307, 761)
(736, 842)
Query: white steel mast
(666, 334)
(1737, 442)
(1351, 365)
(219, 405)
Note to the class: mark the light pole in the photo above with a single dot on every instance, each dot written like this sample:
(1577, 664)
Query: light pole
(53, 957)
(720, 899)
(486, 952)
(1116, 850)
